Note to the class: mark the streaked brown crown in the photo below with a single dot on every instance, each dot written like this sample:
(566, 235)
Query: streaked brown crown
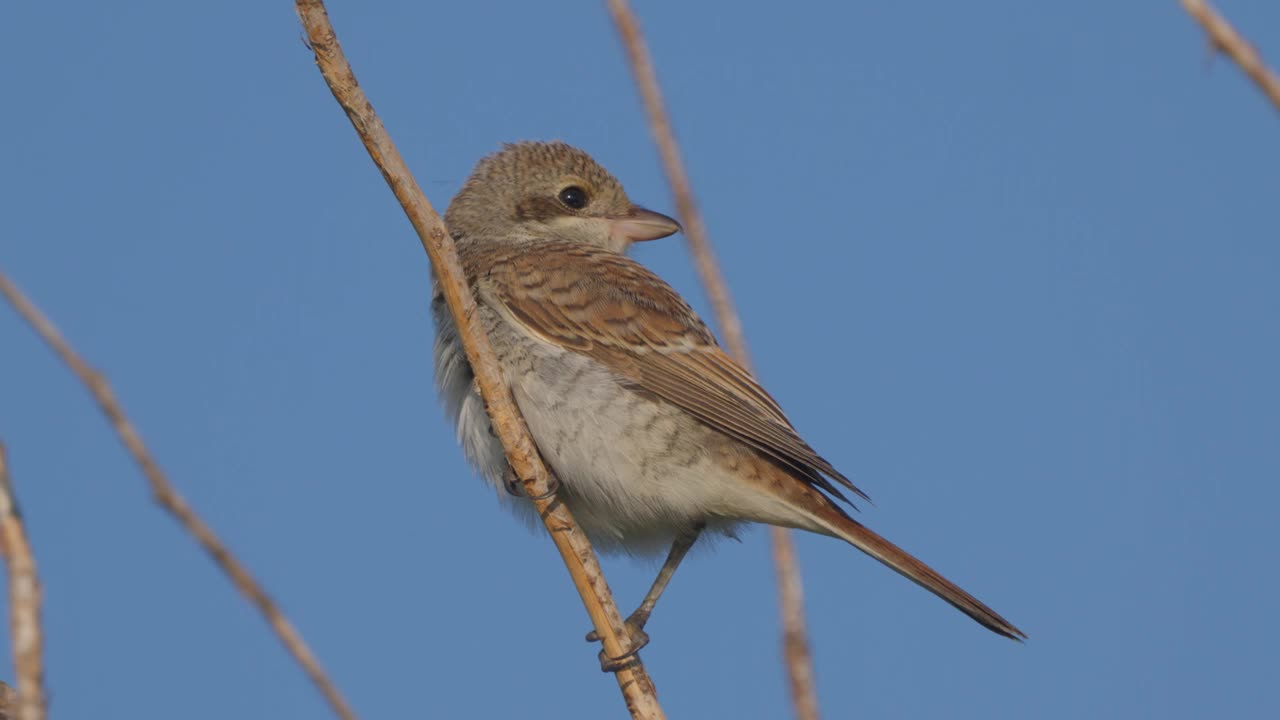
(515, 192)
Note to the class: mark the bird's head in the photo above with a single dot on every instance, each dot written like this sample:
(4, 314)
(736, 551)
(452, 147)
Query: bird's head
(550, 189)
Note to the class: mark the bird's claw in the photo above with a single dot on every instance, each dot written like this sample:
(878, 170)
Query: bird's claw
(516, 487)
(637, 637)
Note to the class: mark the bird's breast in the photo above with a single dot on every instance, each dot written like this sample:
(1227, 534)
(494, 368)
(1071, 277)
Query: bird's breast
(633, 470)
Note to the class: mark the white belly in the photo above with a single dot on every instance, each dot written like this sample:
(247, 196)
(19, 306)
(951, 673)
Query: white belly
(629, 475)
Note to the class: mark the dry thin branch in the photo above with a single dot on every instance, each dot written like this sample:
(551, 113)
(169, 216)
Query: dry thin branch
(795, 638)
(24, 603)
(795, 644)
(169, 499)
(575, 550)
(1225, 39)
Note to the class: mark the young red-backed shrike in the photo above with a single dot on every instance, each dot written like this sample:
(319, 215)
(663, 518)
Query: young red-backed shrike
(654, 432)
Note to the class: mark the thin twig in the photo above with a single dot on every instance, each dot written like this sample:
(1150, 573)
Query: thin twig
(694, 230)
(795, 644)
(795, 638)
(1226, 40)
(575, 550)
(169, 499)
(24, 603)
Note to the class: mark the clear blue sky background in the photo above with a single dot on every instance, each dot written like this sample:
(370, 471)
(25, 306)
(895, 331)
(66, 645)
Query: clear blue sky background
(1012, 266)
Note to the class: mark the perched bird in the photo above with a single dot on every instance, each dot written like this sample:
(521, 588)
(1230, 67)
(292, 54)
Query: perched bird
(655, 434)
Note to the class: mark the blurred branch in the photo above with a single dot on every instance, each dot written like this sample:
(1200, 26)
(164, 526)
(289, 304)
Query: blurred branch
(694, 230)
(795, 644)
(795, 637)
(1226, 40)
(575, 550)
(24, 607)
(169, 499)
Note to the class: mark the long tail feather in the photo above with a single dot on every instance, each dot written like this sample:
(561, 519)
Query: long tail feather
(904, 563)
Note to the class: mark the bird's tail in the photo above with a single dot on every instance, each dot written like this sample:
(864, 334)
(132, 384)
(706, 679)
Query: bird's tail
(904, 563)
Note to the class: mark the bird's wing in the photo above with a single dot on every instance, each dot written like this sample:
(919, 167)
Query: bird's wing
(610, 308)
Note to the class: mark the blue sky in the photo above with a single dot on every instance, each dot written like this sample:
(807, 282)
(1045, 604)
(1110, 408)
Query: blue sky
(1010, 266)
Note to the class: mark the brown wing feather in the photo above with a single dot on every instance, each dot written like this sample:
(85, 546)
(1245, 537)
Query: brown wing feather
(613, 310)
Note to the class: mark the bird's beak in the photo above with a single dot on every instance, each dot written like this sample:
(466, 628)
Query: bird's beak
(640, 224)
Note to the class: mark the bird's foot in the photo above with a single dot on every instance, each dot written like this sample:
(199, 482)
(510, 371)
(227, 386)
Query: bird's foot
(637, 638)
(515, 486)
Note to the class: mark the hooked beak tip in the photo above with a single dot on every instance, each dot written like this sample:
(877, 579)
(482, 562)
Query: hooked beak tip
(641, 224)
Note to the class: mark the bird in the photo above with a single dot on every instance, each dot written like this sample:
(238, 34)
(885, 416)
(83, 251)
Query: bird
(656, 436)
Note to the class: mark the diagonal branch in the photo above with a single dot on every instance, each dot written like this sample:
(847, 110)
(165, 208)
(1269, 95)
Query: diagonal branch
(169, 499)
(24, 604)
(1225, 39)
(795, 642)
(575, 550)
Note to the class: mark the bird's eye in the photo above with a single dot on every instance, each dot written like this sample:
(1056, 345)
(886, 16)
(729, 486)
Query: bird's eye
(573, 197)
